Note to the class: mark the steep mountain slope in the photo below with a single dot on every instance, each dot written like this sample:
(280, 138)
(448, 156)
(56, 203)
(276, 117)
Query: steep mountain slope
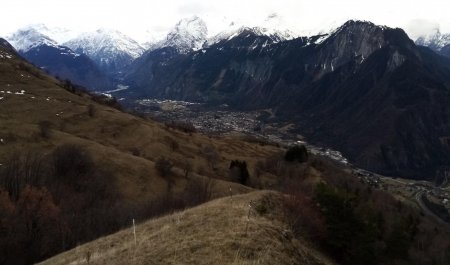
(372, 79)
(150, 72)
(109, 129)
(59, 60)
(40, 117)
(109, 49)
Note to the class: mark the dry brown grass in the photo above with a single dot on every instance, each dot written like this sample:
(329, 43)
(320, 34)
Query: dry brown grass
(127, 146)
(120, 143)
(218, 232)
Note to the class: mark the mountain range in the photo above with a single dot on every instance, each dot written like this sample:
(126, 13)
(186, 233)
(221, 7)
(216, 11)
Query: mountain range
(366, 90)
(59, 60)
(111, 50)
(82, 181)
(363, 89)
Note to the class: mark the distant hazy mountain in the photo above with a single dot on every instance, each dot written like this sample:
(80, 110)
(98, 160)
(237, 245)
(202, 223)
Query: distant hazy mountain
(60, 35)
(436, 41)
(273, 26)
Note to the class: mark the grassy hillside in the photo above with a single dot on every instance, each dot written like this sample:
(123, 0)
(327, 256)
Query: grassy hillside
(223, 231)
(68, 164)
(121, 143)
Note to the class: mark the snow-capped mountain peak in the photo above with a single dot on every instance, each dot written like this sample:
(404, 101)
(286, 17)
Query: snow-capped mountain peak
(110, 49)
(273, 27)
(60, 35)
(187, 35)
(106, 41)
(27, 38)
(274, 34)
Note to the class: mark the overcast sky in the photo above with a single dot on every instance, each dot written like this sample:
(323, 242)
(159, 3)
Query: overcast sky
(140, 19)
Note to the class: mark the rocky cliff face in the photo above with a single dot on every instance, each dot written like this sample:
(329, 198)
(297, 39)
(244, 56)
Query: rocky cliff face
(355, 39)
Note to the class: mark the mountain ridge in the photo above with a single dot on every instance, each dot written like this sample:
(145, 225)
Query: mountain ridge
(110, 49)
(321, 76)
(58, 60)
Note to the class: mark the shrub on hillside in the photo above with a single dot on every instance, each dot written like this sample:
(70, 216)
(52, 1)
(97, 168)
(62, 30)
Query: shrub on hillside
(173, 144)
(91, 110)
(239, 172)
(164, 168)
(45, 130)
(20, 171)
(105, 100)
(296, 153)
(186, 165)
(71, 162)
(186, 127)
(351, 237)
(302, 213)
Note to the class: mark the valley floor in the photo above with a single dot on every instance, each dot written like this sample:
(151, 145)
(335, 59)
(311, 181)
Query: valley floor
(226, 121)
